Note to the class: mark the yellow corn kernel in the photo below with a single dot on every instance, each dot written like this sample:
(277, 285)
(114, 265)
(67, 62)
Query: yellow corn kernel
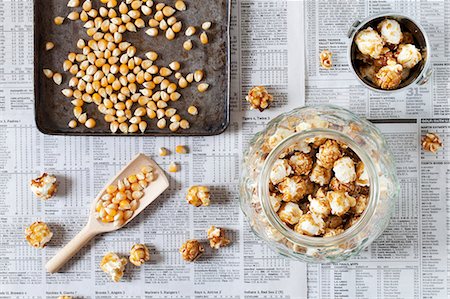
(180, 149)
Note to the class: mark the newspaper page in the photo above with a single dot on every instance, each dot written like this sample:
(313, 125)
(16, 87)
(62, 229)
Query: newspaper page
(267, 49)
(411, 259)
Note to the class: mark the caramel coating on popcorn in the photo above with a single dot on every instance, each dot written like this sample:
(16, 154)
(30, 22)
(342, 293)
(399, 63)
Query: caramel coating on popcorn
(328, 153)
(44, 186)
(191, 250)
(198, 196)
(326, 59)
(389, 76)
(320, 175)
(139, 254)
(431, 142)
(113, 265)
(217, 238)
(290, 213)
(259, 98)
(301, 163)
(38, 234)
(295, 188)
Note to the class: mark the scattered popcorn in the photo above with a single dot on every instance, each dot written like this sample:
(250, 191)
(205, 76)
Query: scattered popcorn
(198, 196)
(44, 186)
(216, 237)
(191, 250)
(319, 206)
(259, 98)
(325, 59)
(301, 163)
(344, 170)
(290, 213)
(431, 142)
(340, 202)
(113, 265)
(295, 188)
(362, 177)
(139, 254)
(369, 42)
(391, 31)
(408, 55)
(280, 170)
(320, 175)
(310, 225)
(38, 234)
(328, 153)
(389, 76)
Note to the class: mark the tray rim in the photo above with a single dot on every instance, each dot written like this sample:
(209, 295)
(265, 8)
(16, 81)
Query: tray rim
(38, 121)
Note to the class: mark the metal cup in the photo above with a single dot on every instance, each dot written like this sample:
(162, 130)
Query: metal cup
(419, 75)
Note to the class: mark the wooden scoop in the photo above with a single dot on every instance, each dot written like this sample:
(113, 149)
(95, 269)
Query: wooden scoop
(95, 226)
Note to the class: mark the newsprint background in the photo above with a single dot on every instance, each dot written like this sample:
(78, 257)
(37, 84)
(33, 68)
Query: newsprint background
(410, 260)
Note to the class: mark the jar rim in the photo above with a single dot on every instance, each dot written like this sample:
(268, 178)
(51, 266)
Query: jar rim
(290, 234)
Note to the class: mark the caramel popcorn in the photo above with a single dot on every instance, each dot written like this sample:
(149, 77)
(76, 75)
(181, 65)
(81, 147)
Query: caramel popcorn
(431, 142)
(334, 221)
(216, 237)
(191, 250)
(290, 213)
(139, 254)
(275, 201)
(325, 59)
(38, 234)
(391, 31)
(113, 265)
(328, 153)
(310, 225)
(331, 232)
(198, 196)
(361, 204)
(389, 76)
(259, 98)
(340, 202)
(344, 170)
(408, 55)
(386, 56)
(281, 169)
(319, 206)
(280, 134)
(337, 185)
(44, 186)
(295, 188)
(362, 178)
(369, 42)
(301, 163)
(320, 175)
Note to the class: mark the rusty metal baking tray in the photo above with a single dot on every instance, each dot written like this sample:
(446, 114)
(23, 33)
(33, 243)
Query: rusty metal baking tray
(53, 110)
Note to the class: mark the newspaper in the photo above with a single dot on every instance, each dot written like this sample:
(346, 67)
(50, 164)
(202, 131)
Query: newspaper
(245, 269)
(411, 258)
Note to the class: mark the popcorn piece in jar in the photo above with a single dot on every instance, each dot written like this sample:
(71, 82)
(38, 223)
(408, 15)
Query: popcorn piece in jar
(113, 265)
(259, 98)
(38, 234)
(275, 201)
(280, 134)
(217, 238)
(344, 170)
(198, 196)
(389, 76)
(340, 202)
(191, 250)
(391, 31)
(408, 55)
(362, 177)
(337, 185)
(295, 188)
(139, 254)
(280, 170)
(301, 163)
(369, 42)
(328, 153)
(326, 59)
(334, 221)
(331, 232)
(44, 186)
(290, 213)
(320, 175)
(310, 225)
(431, 142)
(361, 204)
(319, 206)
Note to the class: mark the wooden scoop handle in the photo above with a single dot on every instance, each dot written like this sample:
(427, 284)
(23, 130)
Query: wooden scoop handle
(65, 254)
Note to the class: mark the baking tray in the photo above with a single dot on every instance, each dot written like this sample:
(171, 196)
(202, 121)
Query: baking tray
(53, 110)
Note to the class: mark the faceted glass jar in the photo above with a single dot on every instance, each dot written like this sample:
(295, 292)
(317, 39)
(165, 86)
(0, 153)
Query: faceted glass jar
(293, 128)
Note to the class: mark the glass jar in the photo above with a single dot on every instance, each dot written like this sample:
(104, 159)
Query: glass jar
(293, 128)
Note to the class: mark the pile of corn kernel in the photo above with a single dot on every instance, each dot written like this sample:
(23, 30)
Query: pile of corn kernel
(120, 201)
(106, 71)
(320, 188)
